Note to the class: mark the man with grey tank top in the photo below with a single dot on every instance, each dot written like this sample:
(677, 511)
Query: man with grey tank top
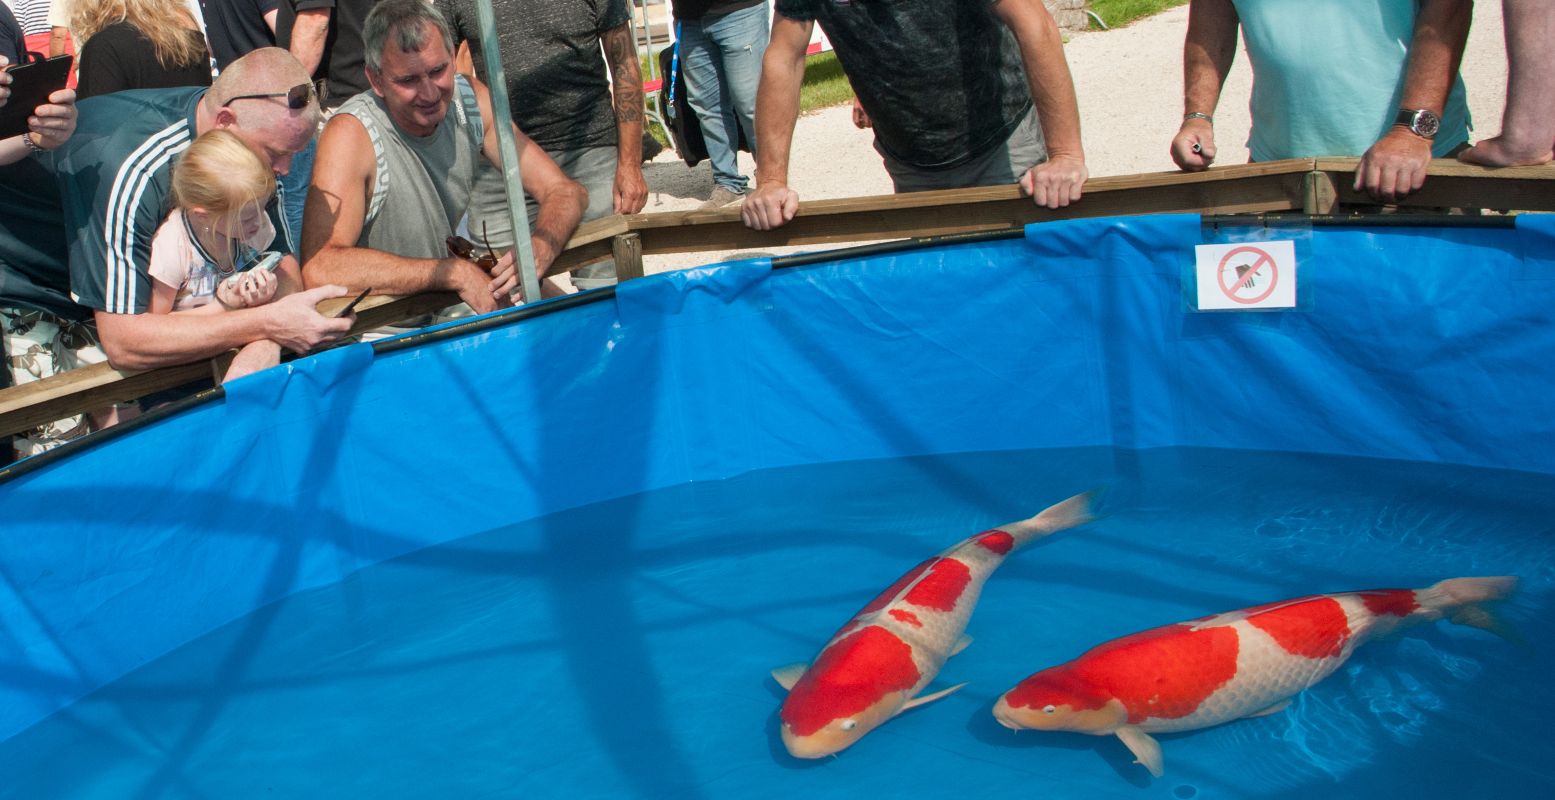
(396, 165)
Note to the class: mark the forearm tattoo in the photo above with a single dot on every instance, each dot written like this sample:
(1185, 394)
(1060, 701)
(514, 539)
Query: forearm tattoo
(625, 74)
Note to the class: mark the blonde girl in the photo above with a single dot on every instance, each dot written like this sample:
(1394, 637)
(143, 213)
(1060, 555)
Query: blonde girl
(209, 255)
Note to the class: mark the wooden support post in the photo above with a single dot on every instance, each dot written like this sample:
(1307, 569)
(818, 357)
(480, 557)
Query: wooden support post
(1319, 196)
(220, 364)
(628, 251)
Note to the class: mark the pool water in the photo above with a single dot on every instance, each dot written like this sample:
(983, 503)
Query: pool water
(622, 649)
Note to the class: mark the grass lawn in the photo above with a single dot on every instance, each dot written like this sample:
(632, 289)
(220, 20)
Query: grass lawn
(824, 83)
(1117, 13)
(824, 86)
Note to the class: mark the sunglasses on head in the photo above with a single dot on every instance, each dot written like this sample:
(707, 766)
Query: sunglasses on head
(297, 97)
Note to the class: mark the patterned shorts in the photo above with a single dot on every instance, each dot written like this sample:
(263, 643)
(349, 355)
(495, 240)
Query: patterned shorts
(37, 345)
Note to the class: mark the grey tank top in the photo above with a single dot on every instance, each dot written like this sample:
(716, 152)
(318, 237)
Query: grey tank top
(418, 176)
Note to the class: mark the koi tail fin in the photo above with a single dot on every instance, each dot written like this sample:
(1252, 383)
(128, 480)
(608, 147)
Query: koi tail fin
(1059, 516)
(1460, 601)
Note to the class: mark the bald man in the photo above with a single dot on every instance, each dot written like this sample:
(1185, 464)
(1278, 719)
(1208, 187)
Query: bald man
(76, 225)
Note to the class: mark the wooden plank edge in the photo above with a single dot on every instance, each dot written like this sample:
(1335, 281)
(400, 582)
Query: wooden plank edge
(1449, 167)
(53, 399)
(1281, 192)
(985, 194)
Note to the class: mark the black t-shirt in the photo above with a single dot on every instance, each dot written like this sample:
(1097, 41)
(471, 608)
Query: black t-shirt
(12, 42)
(558, 84)
(120, 57)
(236, 27)
(697, 9)
(33, 258)
(343, 63)
(942, 80)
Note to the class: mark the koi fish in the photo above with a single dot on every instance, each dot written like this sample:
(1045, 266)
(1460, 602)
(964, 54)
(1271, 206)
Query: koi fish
(1239, 664)
(875, 666)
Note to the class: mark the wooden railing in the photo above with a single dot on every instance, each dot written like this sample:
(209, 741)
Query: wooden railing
(1312, 186)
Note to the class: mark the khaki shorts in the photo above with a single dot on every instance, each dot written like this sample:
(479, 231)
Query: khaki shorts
(38, 345)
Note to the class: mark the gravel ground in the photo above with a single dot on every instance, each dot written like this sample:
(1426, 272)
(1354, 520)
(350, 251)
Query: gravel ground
(1129, 83)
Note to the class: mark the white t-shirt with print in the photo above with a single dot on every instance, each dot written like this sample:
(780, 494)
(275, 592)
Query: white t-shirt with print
(178, 259)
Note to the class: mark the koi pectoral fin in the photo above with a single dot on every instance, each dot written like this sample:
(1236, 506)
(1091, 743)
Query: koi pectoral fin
(928, 698)
(961, 644)
(1146, 750)
(789, 675)
(1274, 709)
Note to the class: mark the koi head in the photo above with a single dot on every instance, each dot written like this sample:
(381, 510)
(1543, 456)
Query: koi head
(1054, 700)
(838, 734)
(855, 685)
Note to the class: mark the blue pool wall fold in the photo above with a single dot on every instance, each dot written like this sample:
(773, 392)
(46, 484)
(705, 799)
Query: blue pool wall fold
(1431, 344)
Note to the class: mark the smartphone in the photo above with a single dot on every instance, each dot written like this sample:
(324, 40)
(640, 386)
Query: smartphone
(351, 306)
(269, 261)
(31, 85)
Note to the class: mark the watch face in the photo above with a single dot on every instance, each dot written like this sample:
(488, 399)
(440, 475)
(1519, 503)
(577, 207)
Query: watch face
(1426, 123)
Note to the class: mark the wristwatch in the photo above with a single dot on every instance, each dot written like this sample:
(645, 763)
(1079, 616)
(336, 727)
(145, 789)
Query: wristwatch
(1422, 122)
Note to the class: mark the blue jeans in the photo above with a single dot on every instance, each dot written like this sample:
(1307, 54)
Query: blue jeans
(294, 185)
(721, 56)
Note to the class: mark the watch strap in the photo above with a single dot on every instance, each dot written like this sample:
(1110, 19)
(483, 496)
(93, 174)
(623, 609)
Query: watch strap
(1422, 122)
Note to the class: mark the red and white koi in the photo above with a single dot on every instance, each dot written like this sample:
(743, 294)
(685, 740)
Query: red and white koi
(875, 666)
(1245, 663)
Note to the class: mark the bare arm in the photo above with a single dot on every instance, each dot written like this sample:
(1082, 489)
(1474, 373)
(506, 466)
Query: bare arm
(1058, 181)
(12, 150)
(1528, 126)
(270, 17)
(147, 341)
(1395, 165)
(58, 35)
(1441, 32)
(772, 204)
(333, 218)
(1207, 55)
(308, 33)
(561, 199)
(631, 190)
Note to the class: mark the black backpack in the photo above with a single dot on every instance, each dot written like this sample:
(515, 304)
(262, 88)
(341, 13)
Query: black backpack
(685, 130)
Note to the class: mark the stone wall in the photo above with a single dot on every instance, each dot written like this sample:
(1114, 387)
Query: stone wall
(1069, 14)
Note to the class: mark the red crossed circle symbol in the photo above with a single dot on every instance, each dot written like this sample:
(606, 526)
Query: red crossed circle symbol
(1241, 281)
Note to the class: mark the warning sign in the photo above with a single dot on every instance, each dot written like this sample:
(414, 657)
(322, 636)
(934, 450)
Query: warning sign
(1255, 275)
